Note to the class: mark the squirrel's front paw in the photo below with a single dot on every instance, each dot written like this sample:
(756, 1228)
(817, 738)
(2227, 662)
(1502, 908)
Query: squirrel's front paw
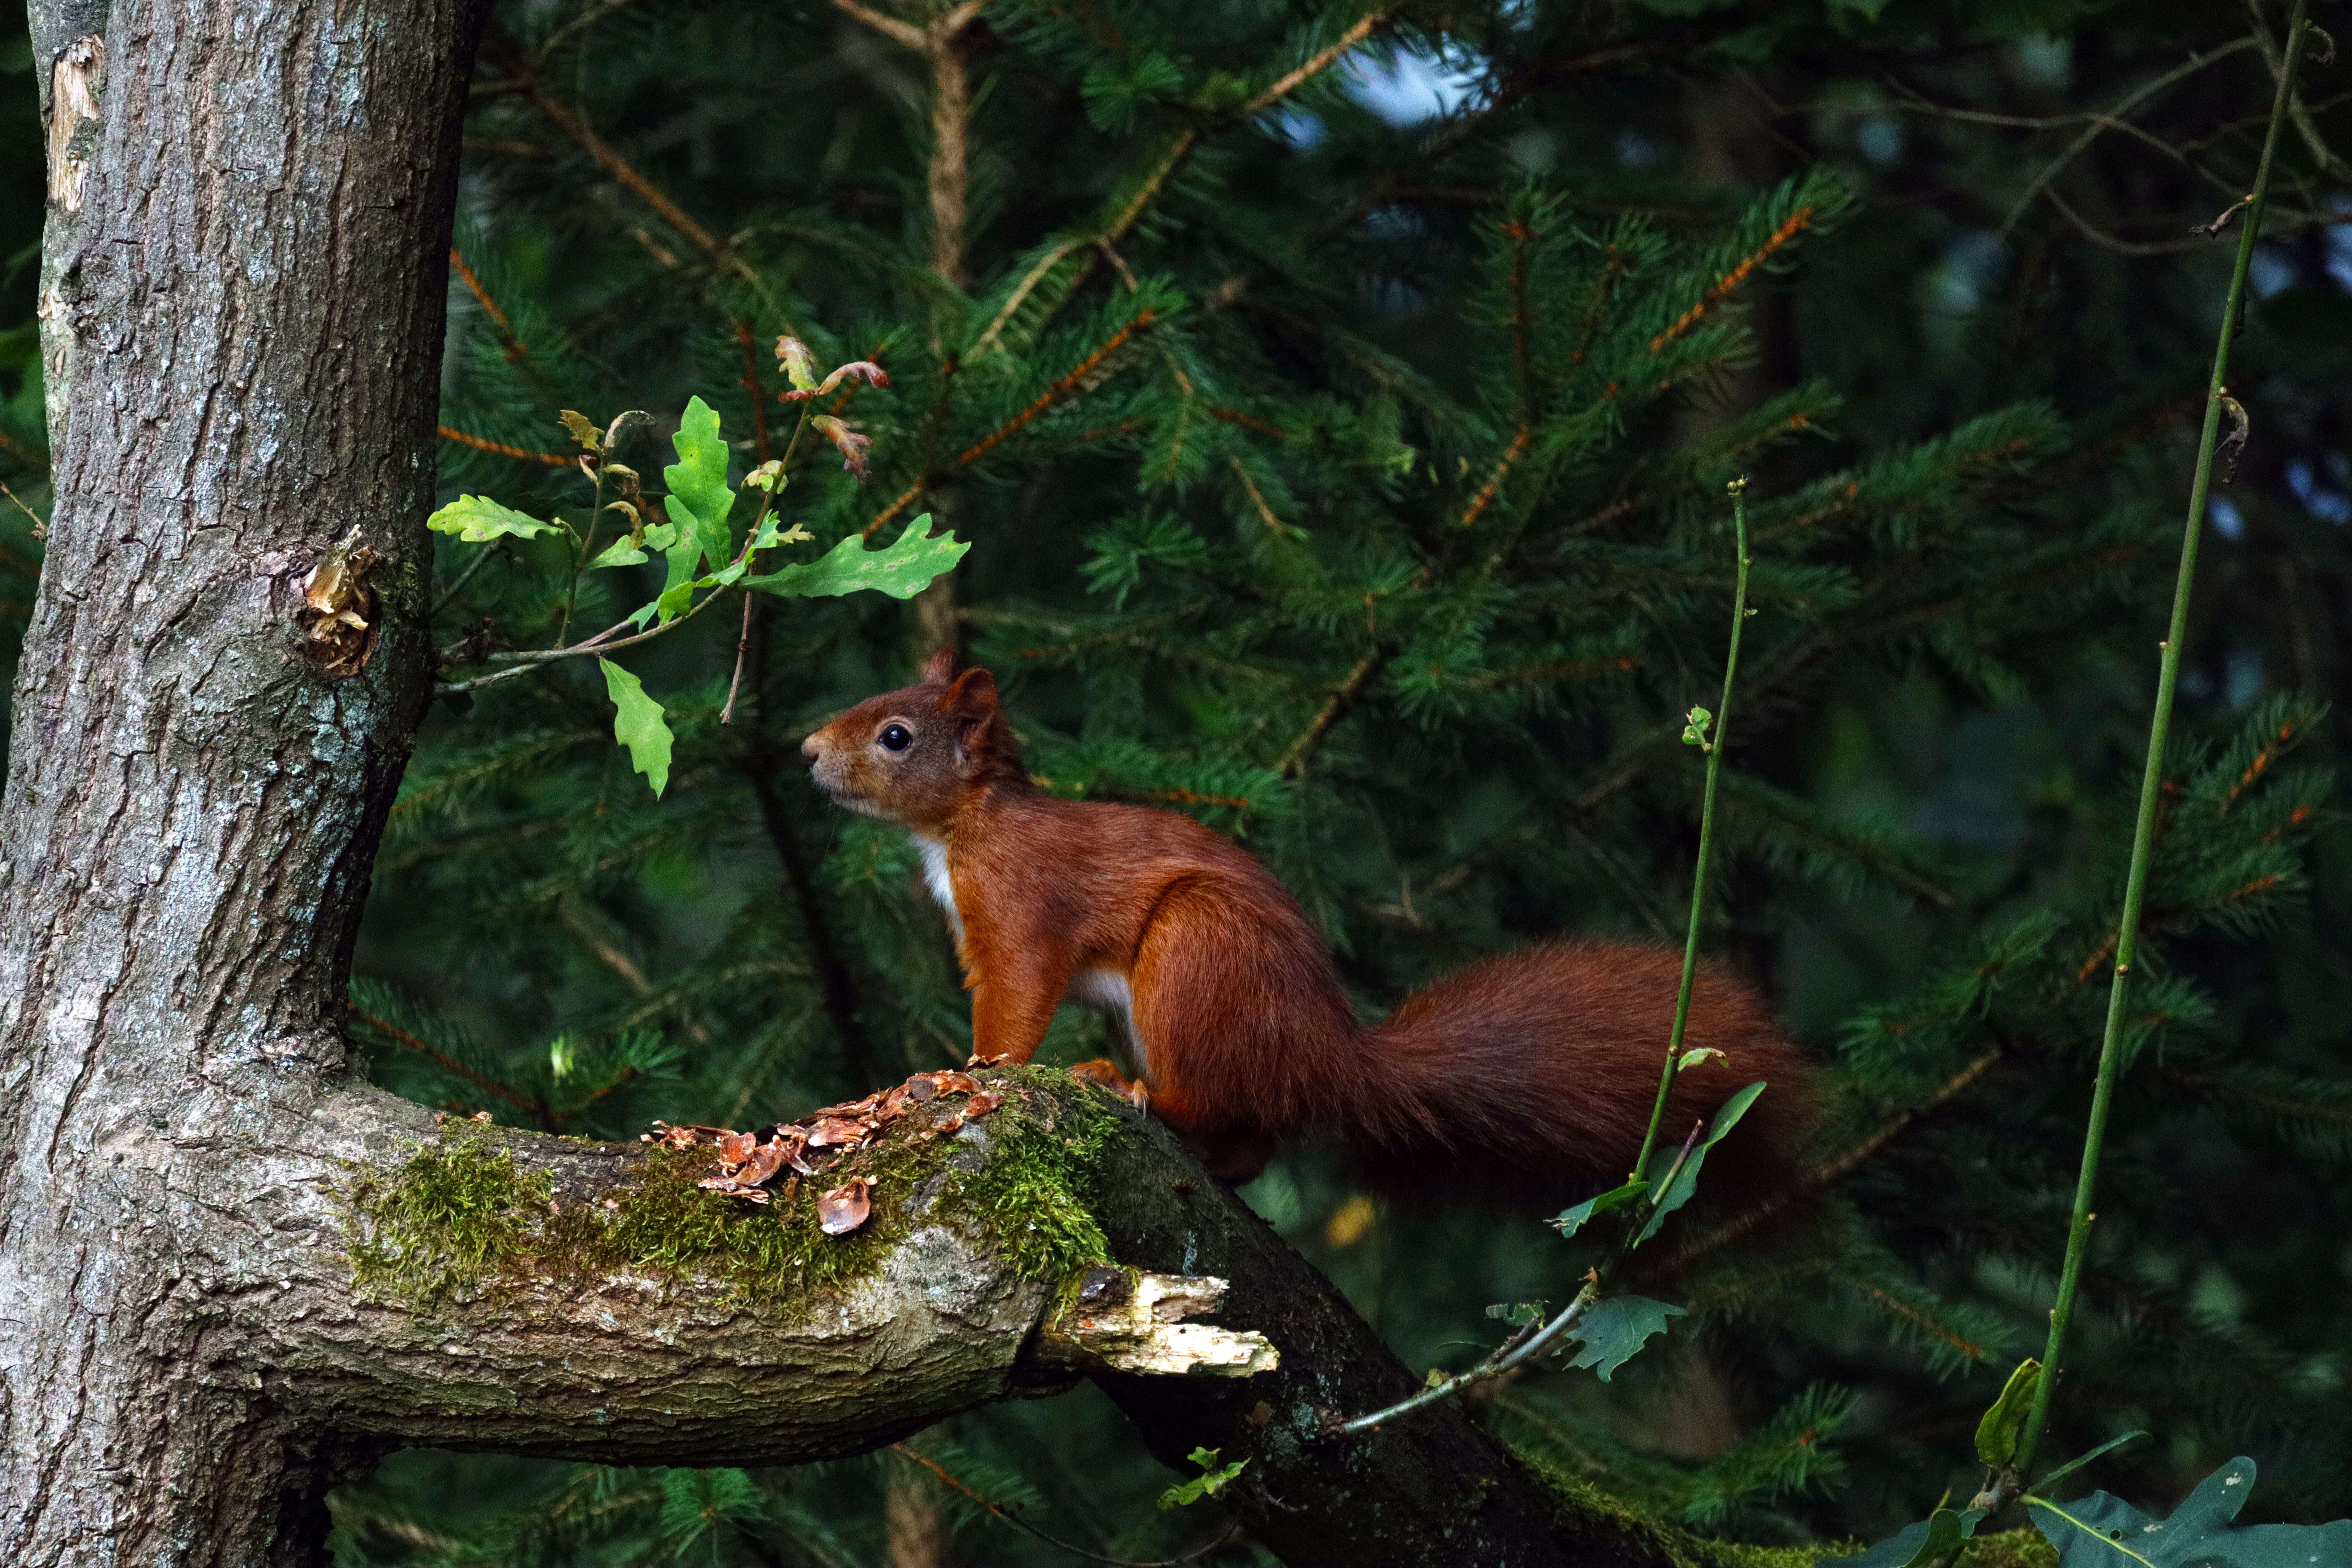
(1104, 1071)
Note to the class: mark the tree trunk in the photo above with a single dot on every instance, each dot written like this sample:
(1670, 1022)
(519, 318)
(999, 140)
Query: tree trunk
(242, 306)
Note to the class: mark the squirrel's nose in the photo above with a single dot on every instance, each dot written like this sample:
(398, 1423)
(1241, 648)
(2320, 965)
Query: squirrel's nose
(809, 748)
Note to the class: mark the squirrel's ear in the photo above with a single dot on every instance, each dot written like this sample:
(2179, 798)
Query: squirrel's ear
(973, 695)
(940, 667)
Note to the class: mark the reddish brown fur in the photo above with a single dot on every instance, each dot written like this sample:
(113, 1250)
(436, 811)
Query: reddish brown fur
(1531, 1073)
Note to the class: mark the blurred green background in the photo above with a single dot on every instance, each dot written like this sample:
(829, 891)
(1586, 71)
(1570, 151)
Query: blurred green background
(1996, 333)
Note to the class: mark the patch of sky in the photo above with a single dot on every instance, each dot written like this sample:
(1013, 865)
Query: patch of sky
(2318, 498)
(1958, 283)
(2245, 677)
(1296, 126)
(2049, 60)
(2228, 521)
(1879, 139)
(2339, 242)
(1634, 150)
(2270, 271)
(1406, 86)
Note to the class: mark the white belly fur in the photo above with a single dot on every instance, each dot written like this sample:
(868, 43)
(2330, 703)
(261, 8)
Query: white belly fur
(935, 873)
(1106, 991)
(1101, 989)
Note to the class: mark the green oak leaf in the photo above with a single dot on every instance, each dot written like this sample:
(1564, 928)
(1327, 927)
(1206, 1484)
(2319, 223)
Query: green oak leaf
(1570, 1221)
(588, 435)
(637, 724)
(1929, 1540)
(902, 571)
(1616, 1328)
(2097, 1530)
(1204, 1484)
(1998, 1433)
(631, 550)
(698, 482)
(684, 555)
(772, 532)
(478, 520)
(673, 600)
(1680, 1191)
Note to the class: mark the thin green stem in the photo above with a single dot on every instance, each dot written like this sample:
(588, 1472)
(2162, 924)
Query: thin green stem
(1713, 744)
(580, 555)
(1524, 1346)
(2152, 778)
(524, 663)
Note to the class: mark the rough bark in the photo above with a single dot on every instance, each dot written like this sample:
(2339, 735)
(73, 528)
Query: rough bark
(246, 303)
(1431, 1487)
(245, 311)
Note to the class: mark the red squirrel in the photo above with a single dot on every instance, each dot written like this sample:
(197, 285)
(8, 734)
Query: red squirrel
(1531, 1074)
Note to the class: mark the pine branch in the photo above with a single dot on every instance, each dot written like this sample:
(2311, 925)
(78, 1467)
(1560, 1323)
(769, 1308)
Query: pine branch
(1724, 287)
(526, 82)
(1293, 761)
(514, 349)
(521, 454)
(1060, 391)
(1494, 485)
(447, 1063)
(585, 931)
(1171, 157)
(1013, 1517)
(1829, 1172)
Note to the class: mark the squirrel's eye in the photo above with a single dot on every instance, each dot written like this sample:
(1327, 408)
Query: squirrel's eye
(895, 737)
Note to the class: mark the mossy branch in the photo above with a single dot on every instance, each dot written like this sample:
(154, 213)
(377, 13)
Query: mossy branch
(553, 1296)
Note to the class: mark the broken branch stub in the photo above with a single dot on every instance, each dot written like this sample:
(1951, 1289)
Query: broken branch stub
(1129, 1320)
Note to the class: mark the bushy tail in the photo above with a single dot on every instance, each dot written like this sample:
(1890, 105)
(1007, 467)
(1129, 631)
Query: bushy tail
(1531, 1076)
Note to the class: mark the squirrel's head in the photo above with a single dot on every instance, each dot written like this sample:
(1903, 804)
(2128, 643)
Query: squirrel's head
(909, 755)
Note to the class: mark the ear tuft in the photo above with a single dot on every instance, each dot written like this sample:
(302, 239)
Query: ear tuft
(973, 695)
(940, 667)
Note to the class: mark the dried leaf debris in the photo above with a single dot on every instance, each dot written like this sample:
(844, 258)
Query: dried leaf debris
(338, 610)
(749, 1161)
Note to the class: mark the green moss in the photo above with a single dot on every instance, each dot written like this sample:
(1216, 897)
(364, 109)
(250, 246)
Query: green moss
(1020, 1181)
(457, 1210)
(1586, 1505)
(1035, 1195)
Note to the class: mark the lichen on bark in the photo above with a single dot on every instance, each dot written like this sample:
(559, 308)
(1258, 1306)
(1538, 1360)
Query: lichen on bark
(475, 1206)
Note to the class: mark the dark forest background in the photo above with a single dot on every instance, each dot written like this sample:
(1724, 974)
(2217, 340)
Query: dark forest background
(1343, 462)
